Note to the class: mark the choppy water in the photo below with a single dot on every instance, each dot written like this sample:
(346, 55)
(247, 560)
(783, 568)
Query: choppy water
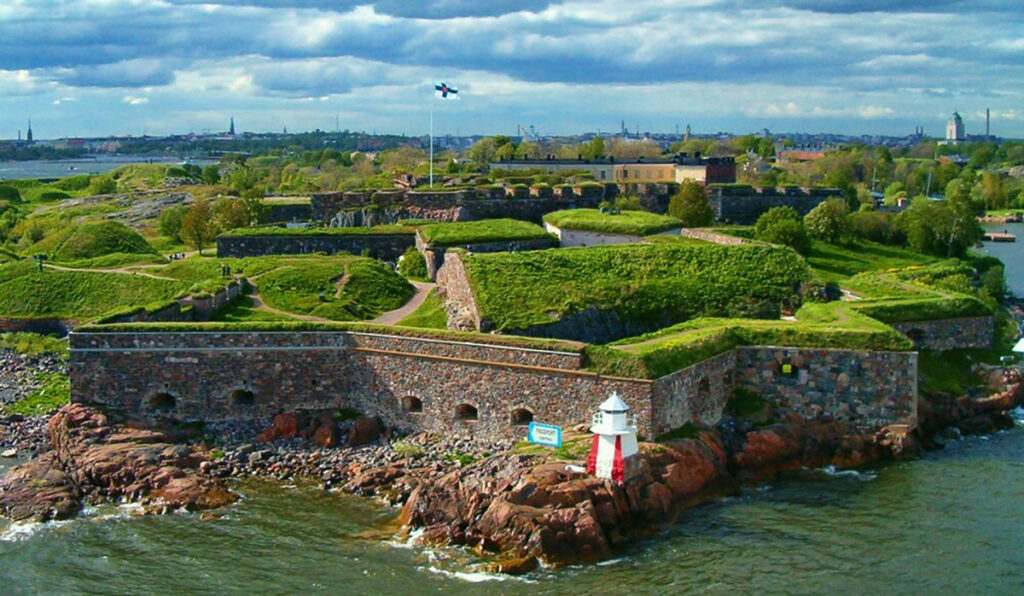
(950, 523)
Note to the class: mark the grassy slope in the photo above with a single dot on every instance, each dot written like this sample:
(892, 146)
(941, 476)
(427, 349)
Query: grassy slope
(431, 314)
(832, 262)
(634, 223)
(274, 231)
(27, 293)
(640, 282)
(91, 240)
(475, 232)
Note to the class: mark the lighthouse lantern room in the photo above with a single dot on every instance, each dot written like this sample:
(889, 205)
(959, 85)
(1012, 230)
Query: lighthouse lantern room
(614, 454)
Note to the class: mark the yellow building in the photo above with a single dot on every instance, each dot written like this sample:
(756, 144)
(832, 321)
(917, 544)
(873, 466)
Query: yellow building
(640, 171)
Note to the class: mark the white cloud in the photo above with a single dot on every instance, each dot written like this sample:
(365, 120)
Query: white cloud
(134, 101)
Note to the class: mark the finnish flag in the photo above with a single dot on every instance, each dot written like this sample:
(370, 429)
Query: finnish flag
(445, 91)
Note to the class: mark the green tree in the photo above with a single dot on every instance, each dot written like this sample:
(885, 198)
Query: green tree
(254, 206)
(788, 233)
(412, 264)
(198, 228)
(211, 174)
(691, 205)
(828, 221)
(169, 222)
(773, 216)
(592, 149)
(482, 152)
(229, 214)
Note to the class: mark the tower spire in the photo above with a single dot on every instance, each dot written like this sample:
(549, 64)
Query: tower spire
(28, 135)
(231, 130)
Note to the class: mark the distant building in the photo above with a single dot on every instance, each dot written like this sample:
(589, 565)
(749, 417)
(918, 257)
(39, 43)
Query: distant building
(28, 137)
(706, 170)
(955, 129)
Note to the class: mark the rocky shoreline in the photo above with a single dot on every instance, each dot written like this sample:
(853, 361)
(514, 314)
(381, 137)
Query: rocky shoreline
(522, 504)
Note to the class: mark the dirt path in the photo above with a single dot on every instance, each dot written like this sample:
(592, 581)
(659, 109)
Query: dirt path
(394, 316)
(259, 304)
(118, 270)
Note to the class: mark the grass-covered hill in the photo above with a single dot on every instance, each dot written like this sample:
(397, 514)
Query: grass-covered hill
(477, 232)
(639, 283)
(631, 223)
(89, 240)
(26, 292)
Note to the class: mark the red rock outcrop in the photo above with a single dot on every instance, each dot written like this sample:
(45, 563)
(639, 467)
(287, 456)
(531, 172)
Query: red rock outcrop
(94, 460)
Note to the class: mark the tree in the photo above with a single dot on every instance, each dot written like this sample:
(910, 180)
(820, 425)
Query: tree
(691, 205)
(254, 207)
(893, 193)
(828, 221)
(782, 225)
(169, 223)
(482, 151)
(197, 227)
(592, 149)
(230, 214)
(947, 228)
(211, 174)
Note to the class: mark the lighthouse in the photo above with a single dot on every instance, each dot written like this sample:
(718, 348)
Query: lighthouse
(614, 454)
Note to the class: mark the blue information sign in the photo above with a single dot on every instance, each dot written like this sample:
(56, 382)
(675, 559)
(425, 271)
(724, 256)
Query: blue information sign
(545, 434)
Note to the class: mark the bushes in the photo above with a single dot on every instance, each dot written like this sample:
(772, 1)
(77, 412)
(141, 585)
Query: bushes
(691, 205)
(9, 193)
(788, 233)
(412, 264)
(827, 221)
(874, 226)
(169, 223)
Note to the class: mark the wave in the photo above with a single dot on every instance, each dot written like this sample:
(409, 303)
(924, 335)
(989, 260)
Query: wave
(831, 470)
(475, 577)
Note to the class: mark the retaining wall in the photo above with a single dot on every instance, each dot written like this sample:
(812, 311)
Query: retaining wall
(380, 246)
(434, 255)
(950, 334)
(743, 205)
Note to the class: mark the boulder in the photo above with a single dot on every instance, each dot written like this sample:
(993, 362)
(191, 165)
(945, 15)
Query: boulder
(365, 430)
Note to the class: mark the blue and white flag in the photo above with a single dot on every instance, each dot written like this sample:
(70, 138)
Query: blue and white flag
(445, 91)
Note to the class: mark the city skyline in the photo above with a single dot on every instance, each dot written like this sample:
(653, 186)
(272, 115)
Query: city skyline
(719, 65)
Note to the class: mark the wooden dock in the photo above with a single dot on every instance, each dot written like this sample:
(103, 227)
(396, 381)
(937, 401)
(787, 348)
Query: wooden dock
(999, 237)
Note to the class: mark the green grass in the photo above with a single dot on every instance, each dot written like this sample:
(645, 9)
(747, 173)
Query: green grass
(91, 240)
(641, 283)
(832, 262)
(54, 392)
(632, 223)
(676, 239)
(115, 260)
(287, 200)
(431, 314)
(314, 288)
(76, 295)
(478, 232)
(33, 343)
(951, 371)
(241, 309)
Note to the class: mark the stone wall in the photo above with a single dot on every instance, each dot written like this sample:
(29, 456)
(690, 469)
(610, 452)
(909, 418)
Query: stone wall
(713, 237)
(465, 388)
(950, 334)
(743, 205)
(695, 394)
(867, 389)
(42, 326)
(569, 238)
(206, 376)
(453, 288)
(284, 212)
(381, 246)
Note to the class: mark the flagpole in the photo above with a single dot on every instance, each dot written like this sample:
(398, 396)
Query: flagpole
(431, 143)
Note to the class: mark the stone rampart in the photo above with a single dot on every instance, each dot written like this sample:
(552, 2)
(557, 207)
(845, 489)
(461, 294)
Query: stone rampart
(381, 246)
(454, 289)
(713, 237)
(466, 388)
(950, 334)
(866, 389)
(41, 326)
(743, 205)
(568, 238)
(409, 383)
(434, 255)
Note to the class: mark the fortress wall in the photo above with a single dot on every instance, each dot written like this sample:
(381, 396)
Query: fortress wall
(381, 246)
(453, 287)
(695, 394)
(867, 389)
(330, 370)
(745, 205)
(713, 237)
(434, 255)
(569, 237)
(950, 334)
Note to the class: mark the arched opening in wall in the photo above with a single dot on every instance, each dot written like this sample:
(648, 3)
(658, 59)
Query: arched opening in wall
(241, 398)
(917, 336)
(465, 412)
(704, 387)
(412, 404)
(521, 417)
(163, 402)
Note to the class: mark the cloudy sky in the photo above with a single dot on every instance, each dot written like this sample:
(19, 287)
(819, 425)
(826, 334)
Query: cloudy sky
(96, 67)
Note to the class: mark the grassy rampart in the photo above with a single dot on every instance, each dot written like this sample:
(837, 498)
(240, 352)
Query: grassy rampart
(630, 223)
(478, 232)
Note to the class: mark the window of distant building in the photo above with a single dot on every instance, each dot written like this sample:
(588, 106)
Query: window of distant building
(603, 174)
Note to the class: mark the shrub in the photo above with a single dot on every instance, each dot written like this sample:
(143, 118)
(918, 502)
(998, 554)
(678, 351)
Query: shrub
(788, 233)
(691, 205)
(169, 223)
(102, 185)
(48, 196)
(9, 193)
(412, 264)
(875, 226)
(828, 221)
(773, 216)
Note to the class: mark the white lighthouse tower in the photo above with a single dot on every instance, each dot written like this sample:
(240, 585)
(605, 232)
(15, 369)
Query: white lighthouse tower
(614, 454)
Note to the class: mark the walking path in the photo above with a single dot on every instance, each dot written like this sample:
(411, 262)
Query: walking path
(126, 270)
(392, 317)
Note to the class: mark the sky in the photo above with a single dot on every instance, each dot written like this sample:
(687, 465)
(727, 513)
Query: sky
(103, 67)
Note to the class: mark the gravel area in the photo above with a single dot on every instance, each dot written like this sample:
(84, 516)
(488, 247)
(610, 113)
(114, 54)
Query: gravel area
(24, 434)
